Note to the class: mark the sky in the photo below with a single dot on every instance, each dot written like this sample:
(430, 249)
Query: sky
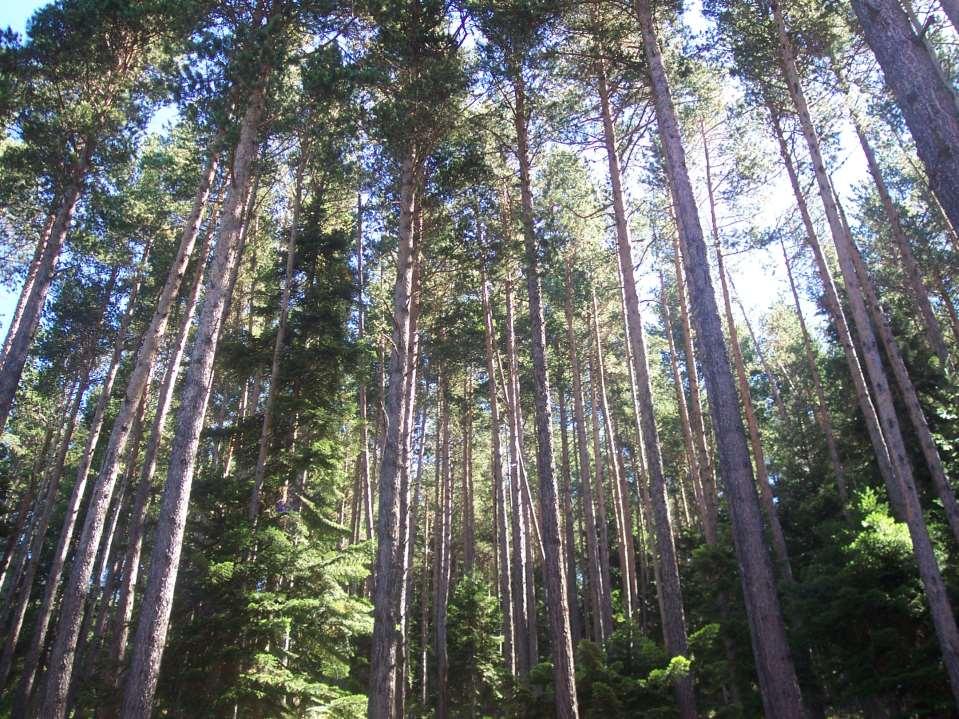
(758, 275)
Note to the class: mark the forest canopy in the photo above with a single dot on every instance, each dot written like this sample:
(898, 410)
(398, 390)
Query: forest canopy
(480, 358)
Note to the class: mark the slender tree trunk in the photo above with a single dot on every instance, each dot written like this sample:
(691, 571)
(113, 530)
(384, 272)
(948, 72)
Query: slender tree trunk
(927, 101)
(469, 521)
(555, 570)
(266, 429)
(74, 598)
(594, 577)
(443, 556)
(777, 675)
(403, 556)
(44, 509)
(946, 299)
(822, 407)
(382, 700)
(154, 616)
(907, 390)
(520, 535)
(759, 457)
(55, 572)
(668, 586)
(939, 605)
(123, 612)
(831, 299)
(624, 525)
(918, 293)
(18, 346)
(692, 458)
(599, 495)
(569, 537)
(365, 493)
(500, 497)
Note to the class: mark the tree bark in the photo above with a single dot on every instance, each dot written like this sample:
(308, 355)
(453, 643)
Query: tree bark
(555, 570)
(822, 407)
(927, 102)
(154, 616)
(907, 390)
(382, 700)
(569, 536)
(443, 556)
(777, 675)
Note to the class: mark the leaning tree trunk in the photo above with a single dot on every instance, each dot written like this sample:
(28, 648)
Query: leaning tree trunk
(777, 675)
(18, 346)
(927, 102)
(755, 439)
(382, 699)
(822, 407)
(555, 570)
(123, 611)
(831, 300)
(939, 605)
(74, 598)
(907, 390)
(32, 271)
(499, 488)
(266, 428)
(671, 600)
(55, 573)
(154, 616)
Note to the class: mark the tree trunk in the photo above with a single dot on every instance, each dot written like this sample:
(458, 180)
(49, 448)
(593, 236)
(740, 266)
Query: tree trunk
(123, 612)
(555, 570)
(599, 493)
(266, 429)
(907, 389)
(831, 300)
(55, 572)
(624, 524)
(500, 498)
(822, 407)
(520, 534)
(74, 598)
(31, 554)
(940, 608)
(927, 102)
(671, 601)
(32, 272)
(444, 528)
(777, 675)
(168, 543)
(759, 458)
(597, 594)
(365, 495)
(382, 700)
(17, 347)
(469, 521)
(569, 537)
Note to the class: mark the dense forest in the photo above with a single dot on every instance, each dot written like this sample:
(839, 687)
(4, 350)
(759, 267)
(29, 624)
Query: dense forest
(480, 358)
